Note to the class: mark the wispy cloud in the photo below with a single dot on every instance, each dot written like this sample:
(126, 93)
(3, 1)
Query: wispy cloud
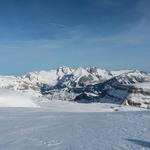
(58, 25)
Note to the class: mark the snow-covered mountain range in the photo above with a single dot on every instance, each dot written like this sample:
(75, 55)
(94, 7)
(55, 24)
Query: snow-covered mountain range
(86, 85)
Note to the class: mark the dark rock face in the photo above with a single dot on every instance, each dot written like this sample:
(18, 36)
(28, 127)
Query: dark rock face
(85, 98)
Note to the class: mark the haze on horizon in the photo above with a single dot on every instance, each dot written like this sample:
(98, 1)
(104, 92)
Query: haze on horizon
(45, 34)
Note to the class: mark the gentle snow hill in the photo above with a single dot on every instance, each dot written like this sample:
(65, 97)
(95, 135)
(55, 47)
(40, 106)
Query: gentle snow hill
(9, 98)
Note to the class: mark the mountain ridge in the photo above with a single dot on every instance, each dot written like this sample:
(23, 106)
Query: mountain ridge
(91, 84)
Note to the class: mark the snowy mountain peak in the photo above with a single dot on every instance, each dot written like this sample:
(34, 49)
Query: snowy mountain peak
(64, 70)
(92, 83)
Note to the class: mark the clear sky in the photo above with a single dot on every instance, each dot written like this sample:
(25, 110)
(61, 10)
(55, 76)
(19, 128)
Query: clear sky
(45, 34)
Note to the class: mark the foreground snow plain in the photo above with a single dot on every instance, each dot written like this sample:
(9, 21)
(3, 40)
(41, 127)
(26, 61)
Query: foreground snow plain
(43, 129)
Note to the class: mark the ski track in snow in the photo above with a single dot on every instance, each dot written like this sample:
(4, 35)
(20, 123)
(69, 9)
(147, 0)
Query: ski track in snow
(40, 129)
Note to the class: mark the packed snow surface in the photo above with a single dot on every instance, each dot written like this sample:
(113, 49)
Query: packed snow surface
(41, 129)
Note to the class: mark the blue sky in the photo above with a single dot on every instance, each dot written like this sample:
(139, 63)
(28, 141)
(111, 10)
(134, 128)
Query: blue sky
(45, 34)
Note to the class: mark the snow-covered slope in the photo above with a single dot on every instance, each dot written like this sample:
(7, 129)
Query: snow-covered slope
(9, 98)
(90, 84)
